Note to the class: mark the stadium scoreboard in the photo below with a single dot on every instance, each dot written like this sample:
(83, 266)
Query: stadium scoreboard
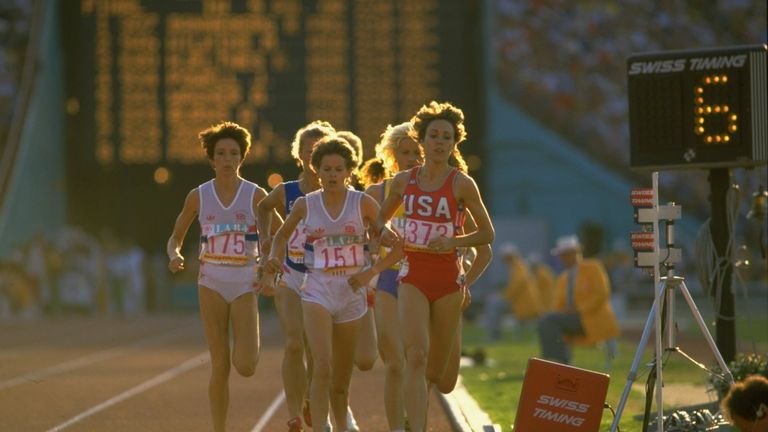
(144, 76)
(702, 108)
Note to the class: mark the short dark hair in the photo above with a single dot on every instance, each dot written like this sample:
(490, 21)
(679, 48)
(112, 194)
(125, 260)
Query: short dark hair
(209, 137)
(334, 145)
(354, 141)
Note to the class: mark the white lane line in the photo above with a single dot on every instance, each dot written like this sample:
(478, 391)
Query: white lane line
(39, 375)
(269, 413)
(192, 363)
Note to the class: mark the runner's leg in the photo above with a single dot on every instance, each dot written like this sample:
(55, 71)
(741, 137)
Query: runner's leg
(214, 312)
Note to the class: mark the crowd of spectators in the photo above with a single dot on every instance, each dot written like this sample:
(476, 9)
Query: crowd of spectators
(564, 62)
(76, 272)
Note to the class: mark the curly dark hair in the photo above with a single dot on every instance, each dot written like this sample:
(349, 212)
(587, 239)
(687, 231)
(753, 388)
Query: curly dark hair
(441, 111)
(438, 111)
(209, 137)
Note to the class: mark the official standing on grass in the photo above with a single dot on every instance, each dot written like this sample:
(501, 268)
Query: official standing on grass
(226, 210)
(582, 312)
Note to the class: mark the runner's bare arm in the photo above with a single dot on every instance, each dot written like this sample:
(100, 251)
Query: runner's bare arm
(465, 190)
(274, 263)
(183, 221)
(388, 208)
(361, 279)
(266, 210)
(483, 254)
(369, 209)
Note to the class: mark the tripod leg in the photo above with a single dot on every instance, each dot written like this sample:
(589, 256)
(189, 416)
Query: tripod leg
(705, 332)
(638, 356)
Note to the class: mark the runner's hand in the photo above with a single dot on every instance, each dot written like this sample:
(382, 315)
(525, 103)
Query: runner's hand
(360, 280)
(272, 266)
(441, 244)
(388, 237)
(466, 297)
(176, 264)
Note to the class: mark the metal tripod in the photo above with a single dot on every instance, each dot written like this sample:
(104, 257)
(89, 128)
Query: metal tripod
(666, 293)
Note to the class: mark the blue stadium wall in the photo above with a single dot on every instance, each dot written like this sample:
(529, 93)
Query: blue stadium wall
(35, 200)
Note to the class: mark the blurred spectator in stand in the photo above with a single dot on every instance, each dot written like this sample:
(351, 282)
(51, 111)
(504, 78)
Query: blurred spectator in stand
(18, 292)
(127, 281)
(83, 284)
(583, 312)
(36, 265)
(158, 282)
(135, 300)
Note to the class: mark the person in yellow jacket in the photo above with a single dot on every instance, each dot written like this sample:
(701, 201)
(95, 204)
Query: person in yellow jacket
(544, 279)
(520, 290)
(582, 310)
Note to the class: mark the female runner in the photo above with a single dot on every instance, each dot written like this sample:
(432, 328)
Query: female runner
(225, 207)
(336, 219)
(434, 197)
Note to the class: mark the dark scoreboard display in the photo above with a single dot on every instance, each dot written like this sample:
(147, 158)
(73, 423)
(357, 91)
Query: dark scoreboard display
(145, 76)
(149, 74)
(698, 108)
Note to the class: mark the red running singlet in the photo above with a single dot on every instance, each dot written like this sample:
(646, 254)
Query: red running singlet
(431, 214)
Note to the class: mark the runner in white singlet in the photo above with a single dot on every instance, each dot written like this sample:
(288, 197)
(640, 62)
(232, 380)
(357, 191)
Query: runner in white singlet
(287, 292)
(228, 252)
(336, 218)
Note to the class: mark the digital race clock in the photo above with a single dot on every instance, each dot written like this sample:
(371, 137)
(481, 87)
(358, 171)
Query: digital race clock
(700, 108)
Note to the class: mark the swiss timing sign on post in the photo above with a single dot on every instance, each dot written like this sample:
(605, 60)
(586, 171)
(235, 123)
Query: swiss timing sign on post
(642, 241)
(642, 197)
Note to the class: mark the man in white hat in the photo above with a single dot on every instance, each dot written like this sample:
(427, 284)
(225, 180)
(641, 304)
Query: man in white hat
(582, 311)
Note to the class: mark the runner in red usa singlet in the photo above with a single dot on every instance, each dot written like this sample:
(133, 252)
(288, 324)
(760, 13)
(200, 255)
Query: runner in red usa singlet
(429, 296)
(428, 215)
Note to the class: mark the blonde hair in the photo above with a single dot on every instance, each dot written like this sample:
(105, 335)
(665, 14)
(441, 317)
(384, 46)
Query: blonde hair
(315, 130)
(391, 139)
